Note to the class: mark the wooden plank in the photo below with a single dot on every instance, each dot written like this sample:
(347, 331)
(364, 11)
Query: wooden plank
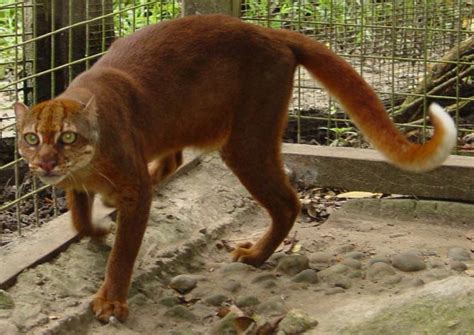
(56, 235)
(366, 170)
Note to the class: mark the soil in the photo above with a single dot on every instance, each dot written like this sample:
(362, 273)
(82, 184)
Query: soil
(329, 277)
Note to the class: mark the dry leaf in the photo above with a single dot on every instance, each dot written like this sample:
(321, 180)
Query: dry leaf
(357, 195)
(243, 324)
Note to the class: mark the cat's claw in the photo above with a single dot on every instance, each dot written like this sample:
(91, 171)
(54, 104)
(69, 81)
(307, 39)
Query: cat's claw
(105, 310)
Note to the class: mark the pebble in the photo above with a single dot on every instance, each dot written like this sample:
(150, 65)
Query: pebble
(343, 282)
(439, 273)
(293, 264)
(345, 249)
(408, 262)
(436, 263)
(296, 322)
(231, 286)
(275, 258)
(216, 299)
(306, 276)
(180, 312)
(246, 301)
(335, 270)
(417, 282)
(458, 266)
(183, 283)
(353, 263)
(272, 307)
(459, 254)
(392, 280)
(263, 277)
(355, 255)
(322, 257)
(379, 270)
(378, 259)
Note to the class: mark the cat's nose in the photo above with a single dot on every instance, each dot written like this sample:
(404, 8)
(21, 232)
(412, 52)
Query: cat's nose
(48, 165)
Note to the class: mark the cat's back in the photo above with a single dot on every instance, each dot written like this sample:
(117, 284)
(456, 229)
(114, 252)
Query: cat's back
(199, 35)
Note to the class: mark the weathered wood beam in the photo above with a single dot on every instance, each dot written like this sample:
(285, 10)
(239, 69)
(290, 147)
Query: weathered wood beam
(366, 170)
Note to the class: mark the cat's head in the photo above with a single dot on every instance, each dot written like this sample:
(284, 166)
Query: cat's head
(57, 137)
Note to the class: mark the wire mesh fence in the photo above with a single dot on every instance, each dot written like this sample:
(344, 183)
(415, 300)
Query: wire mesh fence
(411, 52)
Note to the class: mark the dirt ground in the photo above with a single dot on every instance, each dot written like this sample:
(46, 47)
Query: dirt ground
(376, 266)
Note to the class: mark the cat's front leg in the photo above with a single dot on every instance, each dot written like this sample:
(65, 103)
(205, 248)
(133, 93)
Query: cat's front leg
(80, 207)
(133, 208)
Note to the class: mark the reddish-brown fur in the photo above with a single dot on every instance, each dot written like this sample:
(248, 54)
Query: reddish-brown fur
(209, 82)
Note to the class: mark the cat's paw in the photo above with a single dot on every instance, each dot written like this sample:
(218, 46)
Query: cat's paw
(248, 254)
(104, 310)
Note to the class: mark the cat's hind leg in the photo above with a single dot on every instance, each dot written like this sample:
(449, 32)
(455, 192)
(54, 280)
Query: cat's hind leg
(163, 167)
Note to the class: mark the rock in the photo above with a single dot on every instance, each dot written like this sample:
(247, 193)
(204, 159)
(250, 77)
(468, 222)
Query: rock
(345, 249)
(275, 258)
(225, 326)
(459, 254)
(408, 262)
(183, 283)
(237, 267)
(6, 301)
(322, 257)
(272, 307)
(293, 264)
(353, 263)
(379, 270)
(417, 282)
(231, 286)
(439, 273)
(343, 282)
(180, 312)
(306, 276)
(296, 322)
(458, 266)
(354, 255)
(216, 299)
(264, 277)
(335, 270)
(436, 263)
(392, 280)
(246, 301)
(378, 259)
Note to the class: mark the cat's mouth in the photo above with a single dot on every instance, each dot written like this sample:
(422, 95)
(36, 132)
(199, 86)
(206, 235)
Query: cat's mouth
(51, 178)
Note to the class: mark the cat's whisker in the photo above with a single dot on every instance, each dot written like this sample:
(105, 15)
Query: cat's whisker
(106, 178)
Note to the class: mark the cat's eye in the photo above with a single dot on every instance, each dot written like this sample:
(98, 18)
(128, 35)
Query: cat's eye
(68, 137)
(31, 139)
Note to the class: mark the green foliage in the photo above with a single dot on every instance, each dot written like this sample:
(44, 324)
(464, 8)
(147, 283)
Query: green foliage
(10, 24)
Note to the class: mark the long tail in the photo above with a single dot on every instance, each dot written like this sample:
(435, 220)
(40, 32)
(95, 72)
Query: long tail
(366, 110)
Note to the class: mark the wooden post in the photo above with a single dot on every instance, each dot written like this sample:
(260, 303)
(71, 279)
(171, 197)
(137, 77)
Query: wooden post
(229, 7)
(69, 45)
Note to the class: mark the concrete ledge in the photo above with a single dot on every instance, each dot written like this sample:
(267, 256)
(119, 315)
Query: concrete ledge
(366, 170)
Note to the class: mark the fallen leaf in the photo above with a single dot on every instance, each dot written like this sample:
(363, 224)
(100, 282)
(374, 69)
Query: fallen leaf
(357, 195)
(242, 324)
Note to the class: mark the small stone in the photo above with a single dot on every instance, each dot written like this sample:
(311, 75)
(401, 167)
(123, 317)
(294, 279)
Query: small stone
(458, 266)
(231, 286)
(296, 322)
(459, 254)
(169, 301)
(180, 312)
(269, 284)
(335, 270)
(378, 259)
(246, 301)
(6, 301)
(275, 258)
(334, 290)
(322, 257)
(354, 255)
(353, 263)
(306, 276)
(183, 283)
(237, 267)
(345, 249)
(436, 263)
(216, 299)
(293, 264)
(392, 280)
(343, 282)
(408, 262)
(439, 273)
(226, 325)
(272, 307)
(379, 270)
(264, 277)
(355, 274)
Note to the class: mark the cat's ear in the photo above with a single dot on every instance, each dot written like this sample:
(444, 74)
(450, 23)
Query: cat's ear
(91, 109)
(20, 110)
